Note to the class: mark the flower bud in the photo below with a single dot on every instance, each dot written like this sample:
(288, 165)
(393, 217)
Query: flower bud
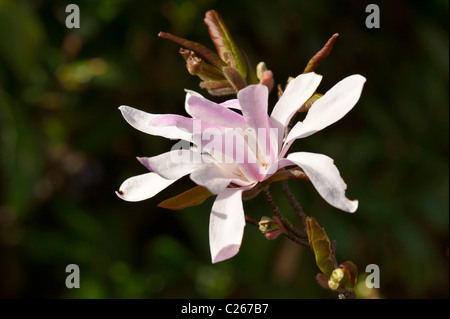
(260, 69)
(264, 76)
(269, 227)
(335, 279)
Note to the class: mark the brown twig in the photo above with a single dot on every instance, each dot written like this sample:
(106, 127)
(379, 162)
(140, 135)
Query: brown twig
(251, 220)
(294, 203)
(291, 232)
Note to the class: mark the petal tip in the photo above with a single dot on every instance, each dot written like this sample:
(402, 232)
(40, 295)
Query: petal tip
(353, 206)
(120, 194)
(359, 77)
(225, 253)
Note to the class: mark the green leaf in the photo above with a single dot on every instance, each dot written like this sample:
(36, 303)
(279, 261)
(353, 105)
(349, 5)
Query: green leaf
(193, 197)
(226, 47)
(320, 244)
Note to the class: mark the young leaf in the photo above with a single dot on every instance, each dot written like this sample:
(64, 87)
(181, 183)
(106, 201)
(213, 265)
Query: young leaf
(197, 66)
(227, 49)
(321, 55)
(192, 197)
(202, 51)
(351, 271)
(320, 244)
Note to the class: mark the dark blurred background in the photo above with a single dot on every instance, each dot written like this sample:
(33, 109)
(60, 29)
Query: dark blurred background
(65, 149)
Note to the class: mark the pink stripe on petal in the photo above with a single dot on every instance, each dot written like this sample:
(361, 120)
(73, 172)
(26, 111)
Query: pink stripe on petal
(231, 104)
(254, 102)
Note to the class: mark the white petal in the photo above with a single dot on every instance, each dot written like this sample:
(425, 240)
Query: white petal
(297, 92)
(325, 177)
(226, 225)
(140, 120)
(142, 187)
(174, 164)
(330, 108)
(211, 177)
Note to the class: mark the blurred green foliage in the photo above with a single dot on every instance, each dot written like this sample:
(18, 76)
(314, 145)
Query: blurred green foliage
(65, 149)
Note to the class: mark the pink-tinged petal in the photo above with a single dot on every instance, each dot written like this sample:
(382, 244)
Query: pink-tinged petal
(297, 92)
(211, 177)
(330, 108)
(212, 113)
(254, 101)
(325, 177)
(226, 225)
(171, 120)
(141, 121)
(174, 164)
(231, 104)
(142, 187)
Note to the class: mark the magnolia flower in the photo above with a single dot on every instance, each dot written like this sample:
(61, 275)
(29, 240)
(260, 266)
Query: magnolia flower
(224, 171)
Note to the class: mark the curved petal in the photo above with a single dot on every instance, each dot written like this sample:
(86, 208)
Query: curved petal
(297, 92)
(325, 177)
(231, 104)
(142, 187)
(330, 108)
(174, 164)
(141, 120)
(211, 177)
(226, 225)
(210, 112)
